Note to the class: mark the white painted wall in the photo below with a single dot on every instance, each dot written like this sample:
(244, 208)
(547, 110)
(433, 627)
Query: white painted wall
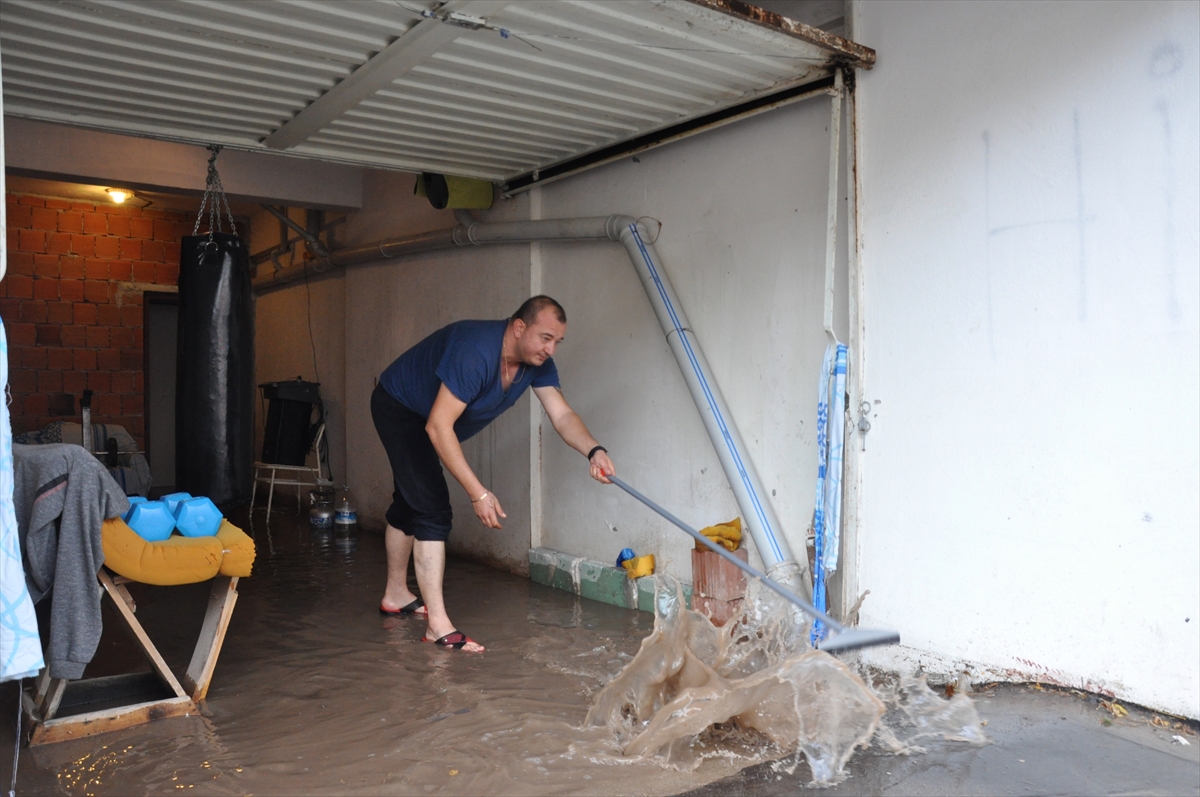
(743, 211)
(300, 331)
(284, 351)
(361, 319)
(392, 305)
(745, 248)
(1030, 256)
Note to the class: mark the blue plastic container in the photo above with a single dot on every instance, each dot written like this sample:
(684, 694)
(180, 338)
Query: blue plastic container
(625, 555)
(174, 500)
(152, 520)
(198, 517)
(134, 500)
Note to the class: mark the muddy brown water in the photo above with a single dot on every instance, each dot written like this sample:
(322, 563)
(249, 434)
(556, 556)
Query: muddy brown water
(316, 693)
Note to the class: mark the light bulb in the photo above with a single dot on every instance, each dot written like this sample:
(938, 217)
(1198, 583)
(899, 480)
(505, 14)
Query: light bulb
(119, 195)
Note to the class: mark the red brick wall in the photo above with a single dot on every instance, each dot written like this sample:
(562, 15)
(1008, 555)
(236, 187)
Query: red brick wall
(69, 327)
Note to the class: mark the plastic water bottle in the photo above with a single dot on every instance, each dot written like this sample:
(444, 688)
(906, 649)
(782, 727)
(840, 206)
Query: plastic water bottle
(344, 512)
(321, 517)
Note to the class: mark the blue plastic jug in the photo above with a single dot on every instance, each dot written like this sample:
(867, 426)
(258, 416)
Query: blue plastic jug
(152, 520)
(134, 500)
(198, 517)
(174, 500)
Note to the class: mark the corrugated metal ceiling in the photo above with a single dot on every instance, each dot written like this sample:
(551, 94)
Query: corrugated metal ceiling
(483, 88)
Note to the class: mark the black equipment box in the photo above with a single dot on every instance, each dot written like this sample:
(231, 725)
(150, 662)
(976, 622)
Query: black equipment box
(289, 430)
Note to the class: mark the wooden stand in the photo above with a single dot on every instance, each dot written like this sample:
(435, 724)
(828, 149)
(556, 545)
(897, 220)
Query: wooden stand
(48, 695)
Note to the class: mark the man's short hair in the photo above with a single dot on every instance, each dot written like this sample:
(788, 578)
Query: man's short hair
(534, 305)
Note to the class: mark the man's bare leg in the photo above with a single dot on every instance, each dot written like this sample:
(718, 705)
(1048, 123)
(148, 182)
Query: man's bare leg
(397, 595)
(430, 560)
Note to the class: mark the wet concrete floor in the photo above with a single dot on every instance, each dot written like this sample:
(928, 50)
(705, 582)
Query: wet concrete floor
(1044, 742)
(316, 693)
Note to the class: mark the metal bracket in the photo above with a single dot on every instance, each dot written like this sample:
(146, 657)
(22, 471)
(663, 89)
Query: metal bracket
(864, 426)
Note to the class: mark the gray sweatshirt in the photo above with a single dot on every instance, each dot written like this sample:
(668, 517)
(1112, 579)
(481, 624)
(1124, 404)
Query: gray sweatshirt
(62, 495)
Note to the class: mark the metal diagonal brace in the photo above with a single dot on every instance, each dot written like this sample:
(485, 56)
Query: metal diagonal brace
(412, 49)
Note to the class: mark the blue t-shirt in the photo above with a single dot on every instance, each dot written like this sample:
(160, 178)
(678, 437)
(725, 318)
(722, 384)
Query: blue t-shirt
(465, 357)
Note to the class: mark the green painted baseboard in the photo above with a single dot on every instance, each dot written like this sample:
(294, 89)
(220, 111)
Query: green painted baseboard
(595, 580)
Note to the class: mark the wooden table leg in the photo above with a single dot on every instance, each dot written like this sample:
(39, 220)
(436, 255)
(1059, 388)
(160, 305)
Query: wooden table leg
(122, 602)
(221, 601)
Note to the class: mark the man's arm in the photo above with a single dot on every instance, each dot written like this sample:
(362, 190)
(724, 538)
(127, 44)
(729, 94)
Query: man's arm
(440, 427)
(571, 429)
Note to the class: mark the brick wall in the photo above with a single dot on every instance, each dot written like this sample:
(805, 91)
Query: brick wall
(73, 317)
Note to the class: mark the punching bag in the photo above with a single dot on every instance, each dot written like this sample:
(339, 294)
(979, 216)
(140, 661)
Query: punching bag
(214, 388)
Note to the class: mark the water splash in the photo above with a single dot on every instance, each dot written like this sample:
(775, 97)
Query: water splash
(755, 688)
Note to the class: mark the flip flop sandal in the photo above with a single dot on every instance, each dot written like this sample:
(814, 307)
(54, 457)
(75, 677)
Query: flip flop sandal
(455, 639)
(412, 608)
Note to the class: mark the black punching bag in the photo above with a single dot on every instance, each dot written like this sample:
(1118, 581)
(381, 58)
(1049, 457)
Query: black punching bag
(214, 388)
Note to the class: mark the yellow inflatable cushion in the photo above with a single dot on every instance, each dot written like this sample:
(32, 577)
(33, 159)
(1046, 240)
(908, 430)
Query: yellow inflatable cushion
(178, 559)
(238, 548)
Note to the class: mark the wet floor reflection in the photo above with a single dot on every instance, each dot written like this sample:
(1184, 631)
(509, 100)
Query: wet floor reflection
(316, 693)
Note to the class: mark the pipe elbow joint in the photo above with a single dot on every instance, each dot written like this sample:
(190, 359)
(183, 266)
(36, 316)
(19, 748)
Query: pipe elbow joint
(618, 224)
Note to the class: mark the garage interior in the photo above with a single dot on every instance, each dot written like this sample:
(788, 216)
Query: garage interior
(741, 142)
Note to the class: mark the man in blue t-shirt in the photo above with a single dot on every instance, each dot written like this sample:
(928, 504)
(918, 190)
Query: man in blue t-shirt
(437, 394)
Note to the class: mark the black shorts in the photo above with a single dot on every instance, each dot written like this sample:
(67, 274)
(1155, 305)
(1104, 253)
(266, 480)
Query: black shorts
(420, 499)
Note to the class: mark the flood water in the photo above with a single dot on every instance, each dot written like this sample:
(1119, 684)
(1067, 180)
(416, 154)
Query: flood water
(317, 693)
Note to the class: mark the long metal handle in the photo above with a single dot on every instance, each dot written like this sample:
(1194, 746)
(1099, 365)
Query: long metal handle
(787, 594)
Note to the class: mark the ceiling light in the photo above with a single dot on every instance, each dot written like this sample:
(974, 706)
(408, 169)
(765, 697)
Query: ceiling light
(119, 195)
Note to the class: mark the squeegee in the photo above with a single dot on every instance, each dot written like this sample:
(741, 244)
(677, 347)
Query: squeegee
(843, 638)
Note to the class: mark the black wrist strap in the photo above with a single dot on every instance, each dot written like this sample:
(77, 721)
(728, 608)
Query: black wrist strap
(592, 453)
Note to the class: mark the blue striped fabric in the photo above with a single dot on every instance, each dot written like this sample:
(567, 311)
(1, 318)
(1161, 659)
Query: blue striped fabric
(827, 512)
(20, 646)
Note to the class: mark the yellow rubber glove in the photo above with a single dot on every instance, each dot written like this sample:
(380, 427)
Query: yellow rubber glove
(728, 535)
(639, 566)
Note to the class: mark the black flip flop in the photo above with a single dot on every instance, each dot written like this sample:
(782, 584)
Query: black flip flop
(412, 608)
(455, 639)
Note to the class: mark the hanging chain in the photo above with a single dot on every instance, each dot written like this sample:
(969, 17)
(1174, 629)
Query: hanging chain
(214, 199)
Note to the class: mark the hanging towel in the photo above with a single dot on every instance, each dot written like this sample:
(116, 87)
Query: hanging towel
(20, 645)
(835, 440)
(818, 630)
(827, 512)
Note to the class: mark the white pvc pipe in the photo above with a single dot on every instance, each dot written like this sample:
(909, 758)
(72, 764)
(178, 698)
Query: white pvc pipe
(764, 527)
(592, 227)
(835, 146)
(756, 509)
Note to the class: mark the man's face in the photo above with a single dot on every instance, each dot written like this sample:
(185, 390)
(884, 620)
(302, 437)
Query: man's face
(536, 343)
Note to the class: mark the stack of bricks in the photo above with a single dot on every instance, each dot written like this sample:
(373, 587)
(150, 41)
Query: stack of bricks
(718, 588)
(72, 304)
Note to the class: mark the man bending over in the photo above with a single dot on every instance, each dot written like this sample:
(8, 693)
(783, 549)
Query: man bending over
(437, 394)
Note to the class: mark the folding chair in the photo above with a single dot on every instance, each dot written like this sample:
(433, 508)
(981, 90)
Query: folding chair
(267, 472)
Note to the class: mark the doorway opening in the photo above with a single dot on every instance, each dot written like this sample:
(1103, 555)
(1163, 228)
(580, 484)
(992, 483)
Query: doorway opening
(160, 326)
